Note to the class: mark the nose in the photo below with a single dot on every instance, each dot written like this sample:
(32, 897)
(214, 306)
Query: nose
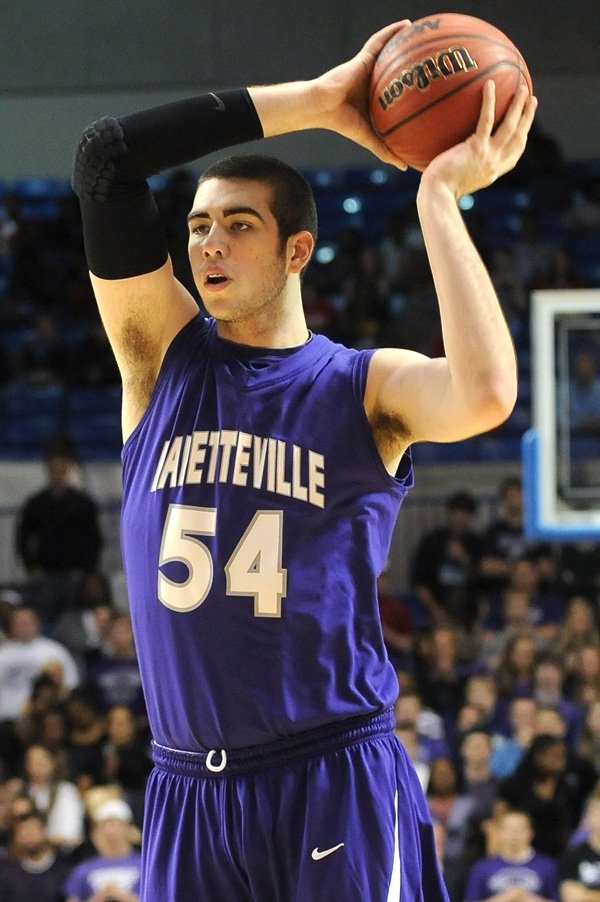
(214, 243)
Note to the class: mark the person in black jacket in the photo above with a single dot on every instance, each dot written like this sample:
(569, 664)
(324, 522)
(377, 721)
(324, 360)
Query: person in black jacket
(58, 536)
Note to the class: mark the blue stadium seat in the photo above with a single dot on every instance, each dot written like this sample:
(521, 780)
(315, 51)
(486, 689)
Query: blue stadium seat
(32, 401)
(29, 434)
(97, 435)
(84, 402)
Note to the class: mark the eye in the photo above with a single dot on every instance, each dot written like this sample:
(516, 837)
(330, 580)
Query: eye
(200, 229)
(239, 226)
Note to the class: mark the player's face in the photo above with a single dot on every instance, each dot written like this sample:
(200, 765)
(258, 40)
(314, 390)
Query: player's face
(239, 267)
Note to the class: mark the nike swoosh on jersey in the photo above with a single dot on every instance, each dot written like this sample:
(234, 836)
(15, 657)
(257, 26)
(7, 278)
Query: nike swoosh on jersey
(316, 855)
(219, 103)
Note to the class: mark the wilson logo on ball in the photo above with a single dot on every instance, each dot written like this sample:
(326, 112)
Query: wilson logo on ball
(446, 64)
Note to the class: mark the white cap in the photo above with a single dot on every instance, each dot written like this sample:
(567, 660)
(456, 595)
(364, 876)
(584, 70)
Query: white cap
(113, 809)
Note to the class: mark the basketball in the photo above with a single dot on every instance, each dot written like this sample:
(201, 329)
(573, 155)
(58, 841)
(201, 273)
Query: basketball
(427, 83)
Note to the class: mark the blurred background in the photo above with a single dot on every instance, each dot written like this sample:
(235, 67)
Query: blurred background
(466, 595)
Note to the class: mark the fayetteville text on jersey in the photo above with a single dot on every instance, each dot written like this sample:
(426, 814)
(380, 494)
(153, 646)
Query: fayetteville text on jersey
(227, 455)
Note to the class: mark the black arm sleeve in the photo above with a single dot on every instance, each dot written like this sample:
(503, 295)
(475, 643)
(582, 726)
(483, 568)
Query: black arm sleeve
(123, 233)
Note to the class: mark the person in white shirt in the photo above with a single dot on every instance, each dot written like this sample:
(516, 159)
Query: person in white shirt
(23, 656)
(58, 800)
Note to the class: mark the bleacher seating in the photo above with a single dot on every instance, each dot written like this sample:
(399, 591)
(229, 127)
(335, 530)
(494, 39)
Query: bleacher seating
(363, 198)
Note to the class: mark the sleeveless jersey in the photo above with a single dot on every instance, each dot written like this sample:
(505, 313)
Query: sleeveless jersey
(257, 515)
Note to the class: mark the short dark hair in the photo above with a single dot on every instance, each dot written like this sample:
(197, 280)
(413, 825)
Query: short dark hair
(292, 203)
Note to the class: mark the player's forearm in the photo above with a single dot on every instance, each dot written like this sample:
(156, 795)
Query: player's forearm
(477, 341)
(123, 232)
(284, 108)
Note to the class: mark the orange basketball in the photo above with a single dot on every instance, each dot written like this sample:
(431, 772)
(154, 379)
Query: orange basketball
(427, 83)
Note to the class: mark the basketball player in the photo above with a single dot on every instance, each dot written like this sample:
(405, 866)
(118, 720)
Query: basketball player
(263, 472)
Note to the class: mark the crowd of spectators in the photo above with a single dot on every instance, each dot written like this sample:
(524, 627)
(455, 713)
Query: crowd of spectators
(369, 286)
(495, 639)
(497, 648)
(496, 644)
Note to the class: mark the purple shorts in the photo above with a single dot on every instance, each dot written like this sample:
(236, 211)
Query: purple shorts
(334, 814)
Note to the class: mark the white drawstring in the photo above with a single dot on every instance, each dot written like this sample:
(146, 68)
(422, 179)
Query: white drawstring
(215, 768)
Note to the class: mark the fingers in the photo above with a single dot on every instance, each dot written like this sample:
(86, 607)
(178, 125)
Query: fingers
(485, 123)
(514, 113)
(378, 40)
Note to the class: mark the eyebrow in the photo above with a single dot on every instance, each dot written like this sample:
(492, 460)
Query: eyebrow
(228, 211)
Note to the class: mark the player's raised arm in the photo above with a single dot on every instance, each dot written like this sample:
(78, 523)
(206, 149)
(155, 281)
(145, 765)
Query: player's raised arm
(337, 101)
(141, 303)
(473, 389)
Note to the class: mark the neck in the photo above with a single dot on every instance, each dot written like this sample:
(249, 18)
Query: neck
(279, 323)
(289, 335)
(478, 771)
(118, 848)
(518, 856)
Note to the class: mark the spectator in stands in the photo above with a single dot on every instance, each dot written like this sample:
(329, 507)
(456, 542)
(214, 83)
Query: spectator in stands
(583, 682)
(47, 693)
(418, 754)
(579, 628)
(504, 541)
(409, 709)
(517, 873)
(14, 804)
(584, 395)
(481, 689)
(504, 616)
(589, 742)
(478, 780)
(548, 681)
(53, 735)
(23, 657)
(127, 761)
(58, 535)
(397, 622)
(452, 808)
(35, 871)
(114, 874)
(84, 630)
(522, 719)
(579, 867)
(539, 786)
(517, 666)
(526, 574)
(58, 800)
(441, 674)
(468, 717)
(87, 733)
(579, 773)
(445, 564)
(116, 673)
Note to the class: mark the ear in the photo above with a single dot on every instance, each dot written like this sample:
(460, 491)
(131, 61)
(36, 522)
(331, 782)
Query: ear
(300, 247)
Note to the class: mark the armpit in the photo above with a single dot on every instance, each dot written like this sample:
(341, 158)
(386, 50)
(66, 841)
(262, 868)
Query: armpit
(391, 434)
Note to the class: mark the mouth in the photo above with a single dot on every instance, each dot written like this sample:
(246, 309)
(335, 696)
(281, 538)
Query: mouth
(215, 280)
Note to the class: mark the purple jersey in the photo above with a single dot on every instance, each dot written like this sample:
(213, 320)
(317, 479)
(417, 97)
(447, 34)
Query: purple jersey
(538, 875)
(257, 515)
(89, 877)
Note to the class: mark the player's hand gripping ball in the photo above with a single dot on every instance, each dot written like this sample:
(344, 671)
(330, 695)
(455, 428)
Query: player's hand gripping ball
(427, 83)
